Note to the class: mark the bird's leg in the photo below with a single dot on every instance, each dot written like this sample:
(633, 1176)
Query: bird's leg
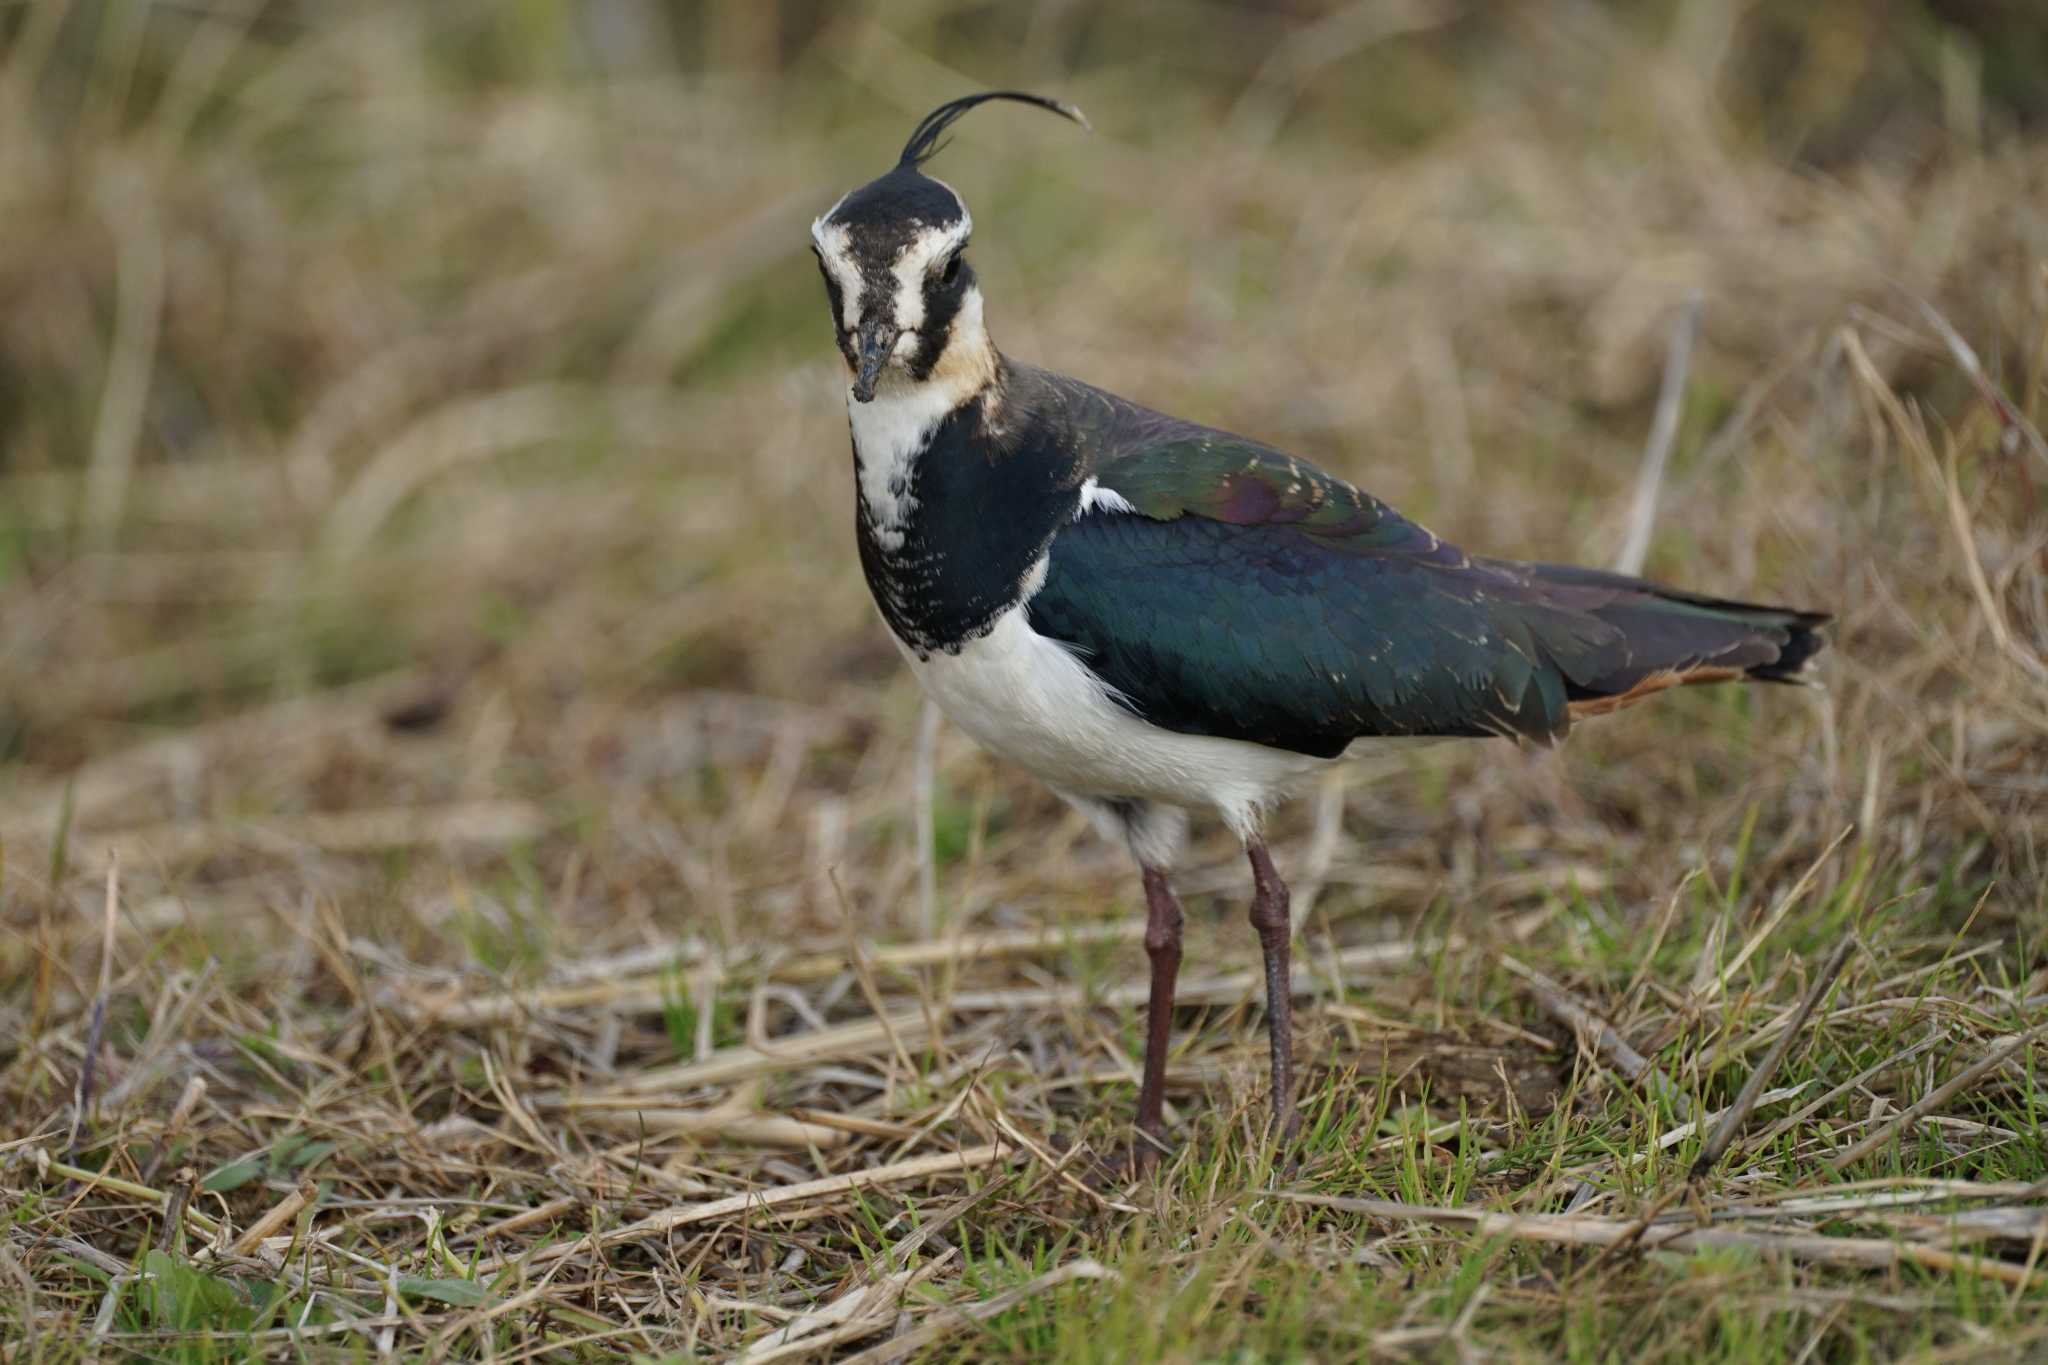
(1270, 917)
(1162, 945)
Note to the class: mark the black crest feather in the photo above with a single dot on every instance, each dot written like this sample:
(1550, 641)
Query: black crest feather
(924, 141)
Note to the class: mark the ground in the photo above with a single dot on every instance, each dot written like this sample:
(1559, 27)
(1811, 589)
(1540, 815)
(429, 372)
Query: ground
(464, 890)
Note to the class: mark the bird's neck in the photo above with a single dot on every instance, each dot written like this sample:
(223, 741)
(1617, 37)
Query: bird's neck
(894, 430)
(958, 497)
(897, 433)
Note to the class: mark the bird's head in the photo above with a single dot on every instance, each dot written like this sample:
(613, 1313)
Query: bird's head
(893, 256)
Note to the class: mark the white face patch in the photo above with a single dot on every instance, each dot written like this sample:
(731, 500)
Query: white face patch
(835, 250)
(886, 265)
(920, 257)
(923, 251)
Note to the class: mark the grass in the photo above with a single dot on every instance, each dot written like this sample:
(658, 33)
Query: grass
(457, 805)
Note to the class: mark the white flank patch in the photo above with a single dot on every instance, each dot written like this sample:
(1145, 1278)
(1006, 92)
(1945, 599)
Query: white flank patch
(1155, 832)
(1032, 700)
(1094, 497)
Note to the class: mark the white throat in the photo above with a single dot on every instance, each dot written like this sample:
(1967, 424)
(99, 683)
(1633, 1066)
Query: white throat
(892, 430)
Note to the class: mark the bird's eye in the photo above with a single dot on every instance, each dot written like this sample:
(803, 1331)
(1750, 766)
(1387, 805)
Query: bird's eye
(952, 270)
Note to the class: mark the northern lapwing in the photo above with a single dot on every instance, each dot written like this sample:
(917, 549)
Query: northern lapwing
(1157, 617)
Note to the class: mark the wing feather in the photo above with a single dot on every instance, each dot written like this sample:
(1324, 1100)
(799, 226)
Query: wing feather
(1247, 594)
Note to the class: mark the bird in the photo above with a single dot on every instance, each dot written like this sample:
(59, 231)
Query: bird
(1157, 618)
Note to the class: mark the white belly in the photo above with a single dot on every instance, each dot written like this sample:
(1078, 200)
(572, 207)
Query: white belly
(1029, 699)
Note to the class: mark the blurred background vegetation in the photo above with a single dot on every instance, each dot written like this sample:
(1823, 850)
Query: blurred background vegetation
(340, 339)
(425, 506)
(460, 365)
(416, 408)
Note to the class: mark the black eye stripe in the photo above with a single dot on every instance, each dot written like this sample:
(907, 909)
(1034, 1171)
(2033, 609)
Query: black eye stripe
(943, 301)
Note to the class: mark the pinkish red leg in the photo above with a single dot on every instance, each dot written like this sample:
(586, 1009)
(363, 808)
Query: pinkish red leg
(1162, 945)
(1276, 930)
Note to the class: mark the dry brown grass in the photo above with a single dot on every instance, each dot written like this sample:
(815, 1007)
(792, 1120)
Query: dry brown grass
(426, 575)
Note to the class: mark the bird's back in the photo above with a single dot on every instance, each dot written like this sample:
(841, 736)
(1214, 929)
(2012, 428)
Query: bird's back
(1222, 587)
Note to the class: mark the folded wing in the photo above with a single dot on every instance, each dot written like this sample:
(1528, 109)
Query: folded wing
(1249, 595)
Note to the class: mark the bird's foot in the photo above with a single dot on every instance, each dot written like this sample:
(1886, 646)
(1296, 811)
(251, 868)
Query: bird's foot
(1284, 1132)
(1147, 1147)
(1117, 1168)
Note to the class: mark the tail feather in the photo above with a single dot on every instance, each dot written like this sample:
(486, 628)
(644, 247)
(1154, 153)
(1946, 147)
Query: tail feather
(1666, 637)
